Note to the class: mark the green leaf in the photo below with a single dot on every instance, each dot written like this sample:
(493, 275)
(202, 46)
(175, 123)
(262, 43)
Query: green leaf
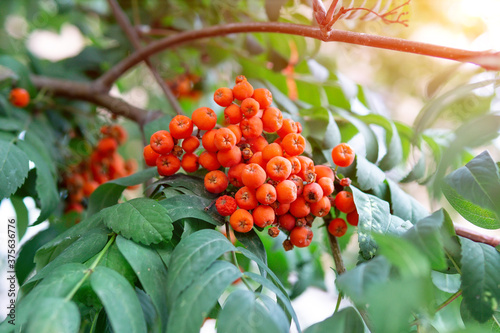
(242, 311)
(46, 185)
(192, 256)
(346, 320)
(191, 206)
(254, 244)
(158, 124)
(320, 125)
(21, 72)
(108, 193)
(22, 217)
(119, 299)
(480, 278)
(474, 191)
(404, 205)
(10, 124)
(114, 260)
(194, 184)
(150, 270)
(356, 282)
(142, 220)
(374, 217)
(195, 302)
(369, 175)
(54, 315)
(13, 168)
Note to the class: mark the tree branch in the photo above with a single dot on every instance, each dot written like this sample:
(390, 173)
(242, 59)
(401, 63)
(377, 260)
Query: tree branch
(133, 37)
(86, 92)
(476, 236)
(487, 59)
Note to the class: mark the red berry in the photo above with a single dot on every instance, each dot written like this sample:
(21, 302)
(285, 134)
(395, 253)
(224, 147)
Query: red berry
(343, 155)
(19, 97)
(226, 205)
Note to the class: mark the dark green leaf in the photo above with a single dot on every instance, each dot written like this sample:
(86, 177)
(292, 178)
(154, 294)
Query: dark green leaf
(480, 278)
(191, 206)
(374, 217)
(369, 176)
(194, 184)
(10, 124)
(13, 168)
(320, 125)
(157, 125)
(142, 220)
(474, 191)
(242, 311)
(150, 270)
(22, 217)
(119, 299)
(346, 320)
(114, 259)
(54, 315)
(254, 244)
(404, 205)
(108, 193)
(195, 302)
(192, 256)
(21, 72)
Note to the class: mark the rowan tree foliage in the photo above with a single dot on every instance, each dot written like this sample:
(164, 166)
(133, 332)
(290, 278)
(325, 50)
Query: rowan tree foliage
(245, 158)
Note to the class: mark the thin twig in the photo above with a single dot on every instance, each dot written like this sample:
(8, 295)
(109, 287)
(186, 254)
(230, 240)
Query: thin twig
(449, 300)
(133, 37)
(477, 236)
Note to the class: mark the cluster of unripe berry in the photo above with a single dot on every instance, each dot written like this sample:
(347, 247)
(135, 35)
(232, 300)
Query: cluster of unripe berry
(103, 164)
(255, 163)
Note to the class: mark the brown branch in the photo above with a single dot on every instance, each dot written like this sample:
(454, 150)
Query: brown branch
(486, 59)
(477, 236)
(86, 92)
(133, 37)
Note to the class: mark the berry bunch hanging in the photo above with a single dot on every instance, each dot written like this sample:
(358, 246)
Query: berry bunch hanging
(262, 182)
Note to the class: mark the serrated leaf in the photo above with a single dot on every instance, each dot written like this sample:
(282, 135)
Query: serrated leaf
(108, 193)
(374, 217)
(193, 255)
(480, 278)
(192, 183)
(54, 315)
(119, 299)
(142, 220)
(14, 167)
(346, 320)
(191, 206)
(368, 175)
(404, 205)
(474, 191)
(150, 270)
(196, 301)
(242, 311)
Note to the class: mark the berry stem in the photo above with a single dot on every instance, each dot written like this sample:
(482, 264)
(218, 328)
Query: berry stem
(449, 300)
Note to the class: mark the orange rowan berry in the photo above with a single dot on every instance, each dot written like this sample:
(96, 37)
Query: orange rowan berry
(74, 207)
(343, 155)
(19, 97)
(301, 236)
(271, 150)
(326, 184)
(263, 216)
(278, 168)
(312, 192)
(208, 141)
(307, 172)
(216, 181)
(241, 221)
(223, 96)
(242, 90)
(300, 207)
(162, 142)
(280, 208)
(204, 118)
(190, 144)
(89, 187)
(150, 155)
(337, 227)
(251, 128)
(294, 144)
(225, 205)
(299, 127)
(236, 131)
(209, 161)
(168, 164)
(286, 221)
(106, 146)
(246, 198)
(321, 208)
(257, 159)
(263, 96)
(232, 114)
(344, 201)
(181, 127)
(228, 158)
(294, 161)
(253, 175)
(272, 119)
(289, 126)
(234, 174)
(266, 194)
(299, 182)
(258, 144)
(224, 139)
(286, 191)
(189, 162)
(118, 133)
(324, 171)
(249, 107)
(353, 218)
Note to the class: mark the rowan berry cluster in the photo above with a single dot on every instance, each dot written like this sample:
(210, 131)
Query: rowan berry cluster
(254, 162)
(103, 164)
